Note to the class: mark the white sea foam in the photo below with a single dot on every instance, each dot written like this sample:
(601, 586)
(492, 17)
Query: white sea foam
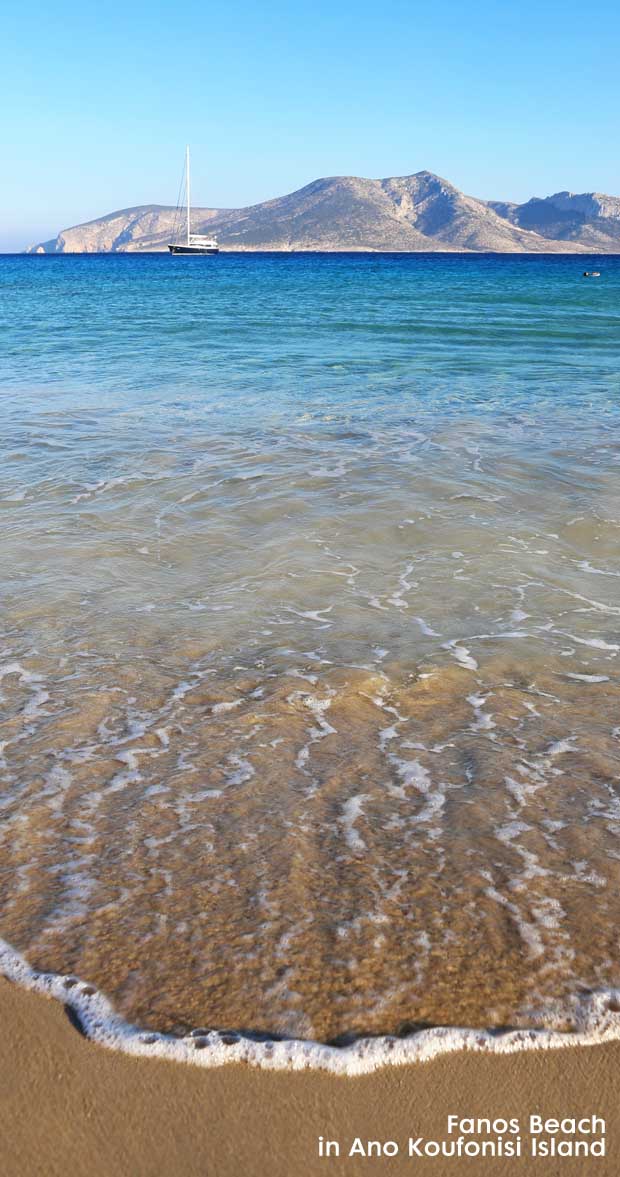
(427, 630)
(242, 771)
(351, 810)
(586, 566)
(34, 683)
(317, 707)
(595, 643)
(412, 774)
(560, 746)
(311, 614)
(462, 654)
(484, 721)
(404, 586)
(593, 678)
(228, 705)
(596, 1018)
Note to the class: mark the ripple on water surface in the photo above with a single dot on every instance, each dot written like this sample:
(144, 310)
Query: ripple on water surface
(309, 671)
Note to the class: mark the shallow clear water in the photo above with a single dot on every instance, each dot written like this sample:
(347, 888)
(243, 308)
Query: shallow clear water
(311, 618)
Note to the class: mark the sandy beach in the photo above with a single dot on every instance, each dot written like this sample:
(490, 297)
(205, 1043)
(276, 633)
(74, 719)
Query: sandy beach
(69, 1106)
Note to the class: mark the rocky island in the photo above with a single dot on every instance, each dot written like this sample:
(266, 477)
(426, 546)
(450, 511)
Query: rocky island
(417, 213)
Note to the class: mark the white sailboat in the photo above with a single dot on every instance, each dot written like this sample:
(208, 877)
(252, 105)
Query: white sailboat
(194, 243)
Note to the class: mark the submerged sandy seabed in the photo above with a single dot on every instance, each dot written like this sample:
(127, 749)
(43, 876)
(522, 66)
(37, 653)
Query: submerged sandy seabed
(320, 744)
(354, 857)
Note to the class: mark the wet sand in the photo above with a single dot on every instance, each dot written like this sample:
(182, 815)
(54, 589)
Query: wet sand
(68, 1106)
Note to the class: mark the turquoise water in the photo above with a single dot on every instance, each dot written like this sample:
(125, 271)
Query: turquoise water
(270, 335)
(310, 630)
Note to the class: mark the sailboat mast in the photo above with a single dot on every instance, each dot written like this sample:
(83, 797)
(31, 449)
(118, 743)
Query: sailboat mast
(195, 243)
(188, 192)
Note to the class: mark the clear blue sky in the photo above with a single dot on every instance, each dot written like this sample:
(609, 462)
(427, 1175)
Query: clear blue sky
(506, 100)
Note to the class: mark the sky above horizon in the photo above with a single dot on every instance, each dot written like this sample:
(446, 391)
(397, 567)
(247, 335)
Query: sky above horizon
(505, 102)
